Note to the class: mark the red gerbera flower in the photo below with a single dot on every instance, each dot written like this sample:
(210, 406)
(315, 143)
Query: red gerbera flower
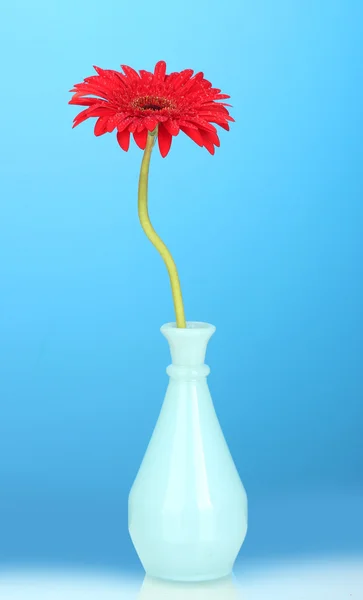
(137, 103)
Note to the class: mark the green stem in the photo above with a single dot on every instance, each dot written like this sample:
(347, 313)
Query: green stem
(153, 236)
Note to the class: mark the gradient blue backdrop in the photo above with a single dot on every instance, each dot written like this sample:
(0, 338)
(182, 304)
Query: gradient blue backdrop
(267, 236)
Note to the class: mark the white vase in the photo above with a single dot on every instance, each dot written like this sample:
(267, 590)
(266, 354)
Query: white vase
(187, 506)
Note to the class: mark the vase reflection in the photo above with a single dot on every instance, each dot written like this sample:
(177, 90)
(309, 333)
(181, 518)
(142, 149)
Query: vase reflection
(222, 589)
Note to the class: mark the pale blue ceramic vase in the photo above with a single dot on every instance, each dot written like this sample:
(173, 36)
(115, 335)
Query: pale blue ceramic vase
(187, 506)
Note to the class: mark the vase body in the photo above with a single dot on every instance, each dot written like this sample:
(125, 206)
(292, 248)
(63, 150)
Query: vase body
(187, 506)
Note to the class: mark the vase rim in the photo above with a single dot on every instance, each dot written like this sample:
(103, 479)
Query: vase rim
(192, 328)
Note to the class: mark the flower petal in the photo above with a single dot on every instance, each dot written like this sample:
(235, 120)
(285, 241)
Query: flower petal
(133, 125)
(99, 71)
(110, 74)
(160, 70)
(212, 104)
(172, 127)
(188, 124)
(164, 140)
(182, 77)
(202, 124)
(84, 101)
(140, 138)
(123, 138)
(212, 137)
(193, 81)
(146, 76)
(101, 125)
(207, 142)
(131, 73)
(91, 111)
(194, 134)
(150, 123)
(112, 123)
(224, 126)
(124, 123)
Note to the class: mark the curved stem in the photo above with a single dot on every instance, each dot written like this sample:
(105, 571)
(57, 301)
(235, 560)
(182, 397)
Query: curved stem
(153, 236)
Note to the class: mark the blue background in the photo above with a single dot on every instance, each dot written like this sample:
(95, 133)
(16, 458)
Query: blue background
(267, 237)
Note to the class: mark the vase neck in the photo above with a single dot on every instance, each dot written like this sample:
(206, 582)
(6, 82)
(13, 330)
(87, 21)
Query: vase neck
(188, 345)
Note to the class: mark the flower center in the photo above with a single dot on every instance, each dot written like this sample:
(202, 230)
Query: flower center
(154, 103)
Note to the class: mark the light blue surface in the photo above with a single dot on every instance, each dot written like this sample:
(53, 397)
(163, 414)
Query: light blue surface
(267, 237)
